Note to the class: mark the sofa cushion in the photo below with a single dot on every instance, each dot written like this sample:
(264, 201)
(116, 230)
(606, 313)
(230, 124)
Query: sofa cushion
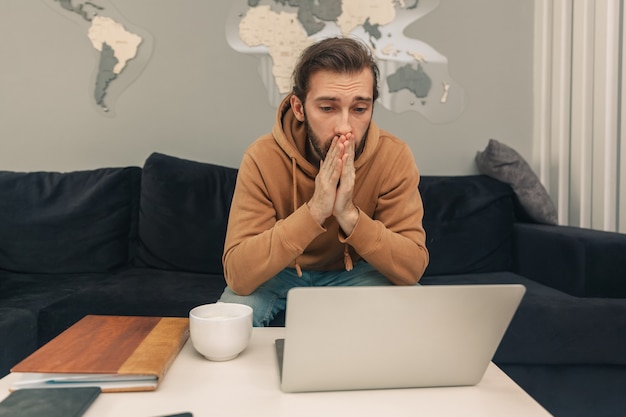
(184, 208)
(573, 390)
(133, 292)
(505, 164)
(468, 222)
(18, 332)
(552, 327)
(34, 291)
(582, 262)
(72, 222)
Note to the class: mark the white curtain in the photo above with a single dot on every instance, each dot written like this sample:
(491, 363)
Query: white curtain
(580, 96)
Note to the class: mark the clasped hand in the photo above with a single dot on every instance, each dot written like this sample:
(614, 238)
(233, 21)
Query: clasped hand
(334, 185)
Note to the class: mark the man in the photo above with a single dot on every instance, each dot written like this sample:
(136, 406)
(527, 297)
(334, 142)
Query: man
(326, 198)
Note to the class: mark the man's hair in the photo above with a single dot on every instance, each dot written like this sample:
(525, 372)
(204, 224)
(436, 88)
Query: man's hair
(339, 55)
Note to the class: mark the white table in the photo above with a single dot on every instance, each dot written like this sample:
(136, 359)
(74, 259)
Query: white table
(249, 386)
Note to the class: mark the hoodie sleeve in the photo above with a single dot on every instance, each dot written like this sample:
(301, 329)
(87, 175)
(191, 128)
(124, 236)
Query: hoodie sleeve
(257, 245)
(393, 239)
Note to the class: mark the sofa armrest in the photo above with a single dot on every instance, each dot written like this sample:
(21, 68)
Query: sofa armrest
(580, 262)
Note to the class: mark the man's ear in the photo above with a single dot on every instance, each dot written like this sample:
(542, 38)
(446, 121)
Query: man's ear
(298, 108)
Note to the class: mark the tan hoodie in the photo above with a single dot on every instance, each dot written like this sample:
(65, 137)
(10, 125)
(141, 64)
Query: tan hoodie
(270, 227)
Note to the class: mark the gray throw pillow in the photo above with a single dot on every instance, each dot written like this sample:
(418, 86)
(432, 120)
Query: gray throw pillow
(505, 164)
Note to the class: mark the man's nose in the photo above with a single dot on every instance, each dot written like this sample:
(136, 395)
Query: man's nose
(343, 123)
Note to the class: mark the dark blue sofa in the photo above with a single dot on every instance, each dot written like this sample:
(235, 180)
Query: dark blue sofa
(148, 241)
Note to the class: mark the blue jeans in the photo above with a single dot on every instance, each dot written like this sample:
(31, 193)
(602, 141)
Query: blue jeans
(271, 296)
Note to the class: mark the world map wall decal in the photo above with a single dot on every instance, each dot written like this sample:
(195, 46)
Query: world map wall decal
(414, 76)
(122, 49)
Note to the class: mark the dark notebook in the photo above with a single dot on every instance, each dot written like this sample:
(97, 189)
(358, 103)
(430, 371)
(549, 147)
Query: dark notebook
(48, 402)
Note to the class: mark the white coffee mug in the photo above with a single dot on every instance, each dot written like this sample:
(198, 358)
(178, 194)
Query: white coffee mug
(220, 331)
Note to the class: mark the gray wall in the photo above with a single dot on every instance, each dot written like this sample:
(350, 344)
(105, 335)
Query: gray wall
(199, 99)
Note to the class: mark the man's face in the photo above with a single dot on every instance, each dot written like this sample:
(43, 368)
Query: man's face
(336, 104)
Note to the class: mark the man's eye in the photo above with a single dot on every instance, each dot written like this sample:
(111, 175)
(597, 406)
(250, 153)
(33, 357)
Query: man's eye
(360, 109)
(326, 108)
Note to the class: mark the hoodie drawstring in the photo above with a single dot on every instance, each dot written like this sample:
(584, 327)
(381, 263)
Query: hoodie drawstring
(347, 260)
(295, 203)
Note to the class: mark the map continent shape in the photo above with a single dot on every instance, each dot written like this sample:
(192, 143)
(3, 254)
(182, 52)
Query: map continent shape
(104, 30)
(414, 80)
(105, 73)
(115, 44)
(356, 12)
(282, 33)
(310, 12)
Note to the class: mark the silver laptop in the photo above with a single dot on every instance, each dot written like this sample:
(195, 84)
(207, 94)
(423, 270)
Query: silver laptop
(351, 338)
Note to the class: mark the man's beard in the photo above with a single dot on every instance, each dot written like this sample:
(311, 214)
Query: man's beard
(321, 151)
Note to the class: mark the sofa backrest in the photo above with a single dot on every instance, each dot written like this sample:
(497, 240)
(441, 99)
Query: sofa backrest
(184, 209)
(173, 213)
(76, 222)
(468, 222)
